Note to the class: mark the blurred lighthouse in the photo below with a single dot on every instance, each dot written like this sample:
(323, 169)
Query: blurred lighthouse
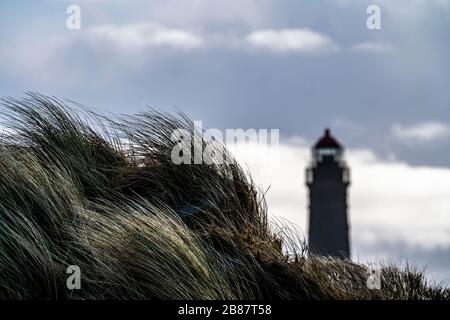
(328, 179)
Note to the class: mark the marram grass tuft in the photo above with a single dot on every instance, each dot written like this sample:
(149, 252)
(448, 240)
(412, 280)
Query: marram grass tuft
(79, 188)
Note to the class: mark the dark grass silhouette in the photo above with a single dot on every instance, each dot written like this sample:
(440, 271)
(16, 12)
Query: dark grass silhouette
(78, 188)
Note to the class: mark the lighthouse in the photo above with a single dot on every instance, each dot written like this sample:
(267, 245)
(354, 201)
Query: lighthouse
(328, 179)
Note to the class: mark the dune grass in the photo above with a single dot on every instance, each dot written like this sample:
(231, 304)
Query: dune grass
(79, 188)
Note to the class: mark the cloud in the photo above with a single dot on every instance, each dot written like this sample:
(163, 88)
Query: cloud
(294, 40)
(185, 13)
(396, 210)
(373, 47)
(137, 36)
(148, 35)
(420, 132)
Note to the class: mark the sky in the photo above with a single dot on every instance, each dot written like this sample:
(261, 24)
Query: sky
(297, 66)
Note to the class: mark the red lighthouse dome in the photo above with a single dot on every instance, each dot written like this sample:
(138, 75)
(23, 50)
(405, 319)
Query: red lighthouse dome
(327, 141)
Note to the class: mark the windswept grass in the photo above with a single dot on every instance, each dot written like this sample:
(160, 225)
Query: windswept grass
(78, 188)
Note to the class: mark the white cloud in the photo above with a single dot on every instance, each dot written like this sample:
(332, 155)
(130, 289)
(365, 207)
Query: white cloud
(136, 36)
(148, 35)
(420, 132)
(392, 204)
(295, 40)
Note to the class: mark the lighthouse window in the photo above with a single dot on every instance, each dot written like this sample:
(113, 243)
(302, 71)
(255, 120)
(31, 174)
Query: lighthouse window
(309, 176)
(325, 152)
(346, 176)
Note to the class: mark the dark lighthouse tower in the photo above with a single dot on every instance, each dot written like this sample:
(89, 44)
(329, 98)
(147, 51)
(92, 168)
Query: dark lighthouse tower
(328, 179)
